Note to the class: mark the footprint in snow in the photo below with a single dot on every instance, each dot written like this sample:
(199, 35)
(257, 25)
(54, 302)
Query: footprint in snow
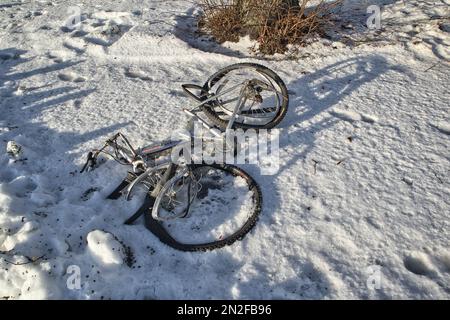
(418, 263)
(56, 56)
(71, 76)
(443, 127)
(75, 45)
(78, 34)
(352, 116)
(31, 14)
(445, 260)
(21, 186)
(102, 28)
(137, 74)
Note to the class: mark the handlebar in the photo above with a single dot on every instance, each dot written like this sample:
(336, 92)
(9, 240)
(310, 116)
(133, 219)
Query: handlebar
(122, 150)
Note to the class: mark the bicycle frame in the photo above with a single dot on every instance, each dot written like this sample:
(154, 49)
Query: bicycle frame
(151, 168)
(139, 158)
(234, 115)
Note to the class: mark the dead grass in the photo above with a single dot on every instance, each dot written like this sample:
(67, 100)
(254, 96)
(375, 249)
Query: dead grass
(273, 25)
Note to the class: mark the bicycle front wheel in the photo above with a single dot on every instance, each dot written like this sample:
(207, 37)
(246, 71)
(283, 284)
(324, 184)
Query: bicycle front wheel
(215, 205)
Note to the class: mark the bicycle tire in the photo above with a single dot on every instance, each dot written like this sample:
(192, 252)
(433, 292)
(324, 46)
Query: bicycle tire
(210, 113)
(157, 228)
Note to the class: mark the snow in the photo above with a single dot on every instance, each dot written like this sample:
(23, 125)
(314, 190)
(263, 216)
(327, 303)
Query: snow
(210, 220)
(105, 248)
(363, 180)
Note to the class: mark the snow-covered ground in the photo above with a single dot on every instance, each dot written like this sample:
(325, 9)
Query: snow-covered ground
(363, 191)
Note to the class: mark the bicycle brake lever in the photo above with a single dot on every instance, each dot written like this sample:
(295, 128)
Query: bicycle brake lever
(90, 162)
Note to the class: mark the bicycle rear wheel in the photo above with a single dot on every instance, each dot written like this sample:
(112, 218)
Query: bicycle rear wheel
(265, 100)
(223, 204)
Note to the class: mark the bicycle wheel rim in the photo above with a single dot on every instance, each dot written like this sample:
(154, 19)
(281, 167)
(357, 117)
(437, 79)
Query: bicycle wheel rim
(169, 232)
(255, 114)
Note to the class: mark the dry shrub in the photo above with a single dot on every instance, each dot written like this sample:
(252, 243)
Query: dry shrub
(221, 20)
(274, 24)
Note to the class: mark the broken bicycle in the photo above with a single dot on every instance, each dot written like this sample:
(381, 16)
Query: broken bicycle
(195, 207)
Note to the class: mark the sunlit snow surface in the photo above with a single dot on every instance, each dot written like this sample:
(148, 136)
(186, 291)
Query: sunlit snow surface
(358, 209)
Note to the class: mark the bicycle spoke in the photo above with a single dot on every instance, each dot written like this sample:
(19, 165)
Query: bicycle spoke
(260, 88)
